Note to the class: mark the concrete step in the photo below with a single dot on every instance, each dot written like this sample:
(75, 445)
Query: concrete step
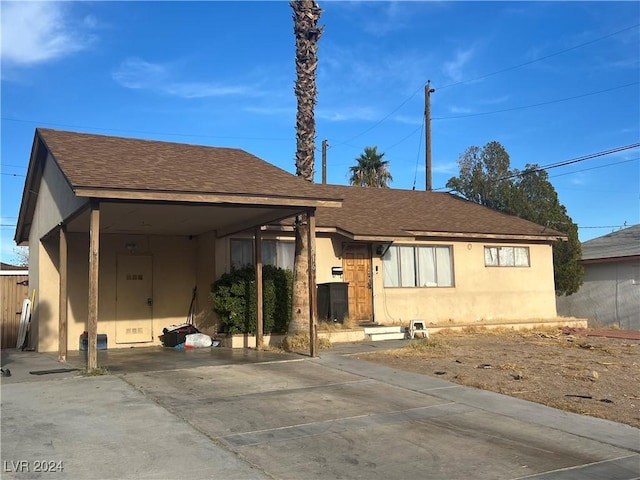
(377, 333)
(383, 329)
(375, 337)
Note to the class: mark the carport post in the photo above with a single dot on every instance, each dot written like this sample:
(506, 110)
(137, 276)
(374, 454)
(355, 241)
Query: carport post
(259, 313)
(92, 319)
(63, 300)
(313, 299)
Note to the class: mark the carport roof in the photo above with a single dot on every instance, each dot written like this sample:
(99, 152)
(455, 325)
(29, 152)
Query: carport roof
(110, 168)
(99, 163)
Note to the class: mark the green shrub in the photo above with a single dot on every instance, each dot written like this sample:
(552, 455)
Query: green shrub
(234, 299)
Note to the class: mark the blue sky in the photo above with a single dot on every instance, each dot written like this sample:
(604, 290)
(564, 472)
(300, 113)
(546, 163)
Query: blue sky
(550, 81)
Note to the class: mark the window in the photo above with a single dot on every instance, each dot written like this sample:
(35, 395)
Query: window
(418, 266)
(274, 252)
(506, 256)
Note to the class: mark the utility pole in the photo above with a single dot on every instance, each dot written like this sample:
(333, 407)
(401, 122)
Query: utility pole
(324, 161)
(427, 122)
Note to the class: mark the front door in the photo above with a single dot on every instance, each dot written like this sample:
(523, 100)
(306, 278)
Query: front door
(134, 299)
(356, 264)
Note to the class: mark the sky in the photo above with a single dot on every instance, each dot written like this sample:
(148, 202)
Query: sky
(550, 81)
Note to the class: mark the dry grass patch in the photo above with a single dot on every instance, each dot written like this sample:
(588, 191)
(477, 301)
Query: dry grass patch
(301, 342)
(596, 376)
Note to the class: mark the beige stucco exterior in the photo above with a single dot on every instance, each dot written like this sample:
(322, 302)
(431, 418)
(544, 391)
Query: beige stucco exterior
(480, 294)
(56, 201)
(179, 264)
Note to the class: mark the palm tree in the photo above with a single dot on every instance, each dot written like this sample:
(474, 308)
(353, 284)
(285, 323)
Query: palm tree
(306, 14)
(371, 170)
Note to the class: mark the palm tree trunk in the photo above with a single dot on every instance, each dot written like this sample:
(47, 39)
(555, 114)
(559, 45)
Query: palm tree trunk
(306, 14)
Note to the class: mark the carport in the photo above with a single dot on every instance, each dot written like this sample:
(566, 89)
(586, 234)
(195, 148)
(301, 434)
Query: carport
(92, 201)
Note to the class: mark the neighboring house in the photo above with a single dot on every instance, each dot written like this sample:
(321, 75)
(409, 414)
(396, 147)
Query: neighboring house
(14, 288)
(166, 220)
(610, 294)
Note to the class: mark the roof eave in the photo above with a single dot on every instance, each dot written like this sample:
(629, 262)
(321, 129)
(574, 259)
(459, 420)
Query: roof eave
(488, 236)
(31, 189)
(206, 197)
(627, 258)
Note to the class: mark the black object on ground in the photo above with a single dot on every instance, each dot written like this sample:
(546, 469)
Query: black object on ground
(55, 370)
(5, 372)
(174, 336)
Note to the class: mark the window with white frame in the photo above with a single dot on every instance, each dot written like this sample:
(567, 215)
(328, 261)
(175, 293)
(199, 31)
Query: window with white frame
(418, 266)
(274, 252)
(506, 256)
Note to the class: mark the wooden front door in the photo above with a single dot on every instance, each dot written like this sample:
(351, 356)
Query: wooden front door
(134, 299)
(356, 263)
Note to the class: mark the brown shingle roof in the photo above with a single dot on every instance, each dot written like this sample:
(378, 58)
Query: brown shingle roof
(116, 163)
(105, 162)
(392, 212)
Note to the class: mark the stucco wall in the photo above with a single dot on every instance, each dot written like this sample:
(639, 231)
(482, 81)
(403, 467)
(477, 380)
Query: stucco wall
(480, 293)
(55, 202)
(174, 276)
(610, 295)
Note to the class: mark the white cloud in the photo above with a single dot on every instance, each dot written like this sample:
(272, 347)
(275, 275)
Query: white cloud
(579, 178)
(37, 32)
(136, 73)
(409, 120)
(448, 168)
(460, 110)
(349, 114)
(271, 110)
(454, 68)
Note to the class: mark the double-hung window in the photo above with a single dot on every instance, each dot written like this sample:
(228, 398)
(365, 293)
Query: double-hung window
(418, 266)
(506, 256)
(274, 252)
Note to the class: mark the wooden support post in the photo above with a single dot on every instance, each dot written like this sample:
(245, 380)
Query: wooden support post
(313, 299)
(259, 313)
(63, 298)
(92, 319)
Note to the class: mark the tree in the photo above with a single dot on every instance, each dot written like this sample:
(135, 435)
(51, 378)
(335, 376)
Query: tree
(371, 170)
(21, 256)
(486, 178)
(306, 14)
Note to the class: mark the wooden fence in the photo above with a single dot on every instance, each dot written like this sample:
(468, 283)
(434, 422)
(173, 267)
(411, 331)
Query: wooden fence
(13, 290)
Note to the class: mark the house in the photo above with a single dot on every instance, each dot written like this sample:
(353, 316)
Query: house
(125, 234)
(610, 294)
(409, 254)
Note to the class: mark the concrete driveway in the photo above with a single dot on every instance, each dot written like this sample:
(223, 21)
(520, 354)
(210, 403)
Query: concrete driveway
(265, 415)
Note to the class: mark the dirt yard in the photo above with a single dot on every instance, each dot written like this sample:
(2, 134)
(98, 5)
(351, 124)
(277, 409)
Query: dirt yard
(569, 370)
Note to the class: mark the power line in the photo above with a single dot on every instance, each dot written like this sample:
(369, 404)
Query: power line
(539, 59)
(145, 132)
(606, 226)
(381, 120)
(563, 163)
(538, 104)
(514, 67)
(13, 174)
(593, 168)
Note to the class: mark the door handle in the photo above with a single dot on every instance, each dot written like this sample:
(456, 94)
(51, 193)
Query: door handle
(150, 302)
